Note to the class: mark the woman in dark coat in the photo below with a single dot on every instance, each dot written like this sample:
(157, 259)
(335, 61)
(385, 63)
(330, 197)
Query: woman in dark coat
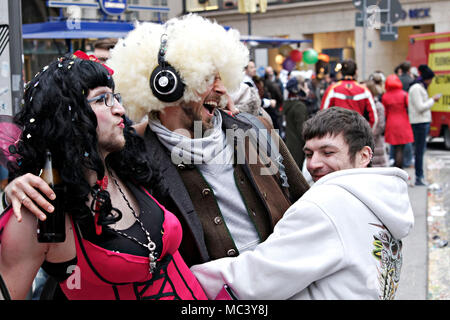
(296, 114)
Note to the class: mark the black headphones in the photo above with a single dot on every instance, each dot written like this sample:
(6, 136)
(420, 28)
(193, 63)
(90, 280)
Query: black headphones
(165, 82)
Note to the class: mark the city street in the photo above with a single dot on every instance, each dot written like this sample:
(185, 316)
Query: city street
(77, 77)
(426, 254)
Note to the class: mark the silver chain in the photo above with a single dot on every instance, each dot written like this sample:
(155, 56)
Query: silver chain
(150, 246)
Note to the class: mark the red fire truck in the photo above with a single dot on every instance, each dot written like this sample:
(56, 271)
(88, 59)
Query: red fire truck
(434, 49)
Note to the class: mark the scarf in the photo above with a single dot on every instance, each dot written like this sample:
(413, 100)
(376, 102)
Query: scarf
(214, 158)
(208, 149)
(418, 80)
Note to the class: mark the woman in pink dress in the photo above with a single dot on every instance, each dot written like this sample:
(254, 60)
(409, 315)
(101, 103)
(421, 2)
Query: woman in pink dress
(120, 243)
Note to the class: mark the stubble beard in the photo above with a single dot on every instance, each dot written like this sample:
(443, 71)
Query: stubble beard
(116, 146)
(194, 118)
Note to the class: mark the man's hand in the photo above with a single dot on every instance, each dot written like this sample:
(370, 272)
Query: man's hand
(230, 106)
(273, 103)
(23, 191)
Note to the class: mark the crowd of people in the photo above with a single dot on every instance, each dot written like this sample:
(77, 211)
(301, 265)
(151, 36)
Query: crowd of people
(397, 108)
(183, 174)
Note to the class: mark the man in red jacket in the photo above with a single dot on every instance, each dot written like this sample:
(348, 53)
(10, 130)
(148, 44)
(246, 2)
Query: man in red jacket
(348, 94)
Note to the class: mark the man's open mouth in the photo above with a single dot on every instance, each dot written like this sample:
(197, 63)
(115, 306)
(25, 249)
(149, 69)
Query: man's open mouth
(210, 106)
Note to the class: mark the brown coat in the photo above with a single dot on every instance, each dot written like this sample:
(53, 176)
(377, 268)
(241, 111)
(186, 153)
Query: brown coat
(205, 235)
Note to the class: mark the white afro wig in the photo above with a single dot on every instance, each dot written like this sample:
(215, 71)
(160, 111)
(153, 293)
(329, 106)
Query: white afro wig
(196, 47)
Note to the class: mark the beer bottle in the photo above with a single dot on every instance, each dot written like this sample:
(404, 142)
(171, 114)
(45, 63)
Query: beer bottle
(53, 229)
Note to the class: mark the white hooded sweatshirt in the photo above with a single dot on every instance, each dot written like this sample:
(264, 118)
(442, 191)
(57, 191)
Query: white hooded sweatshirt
(340, 240)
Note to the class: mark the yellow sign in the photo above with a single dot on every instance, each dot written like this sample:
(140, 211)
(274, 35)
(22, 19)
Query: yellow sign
(249, 6)
(441, 84)
(439, 61)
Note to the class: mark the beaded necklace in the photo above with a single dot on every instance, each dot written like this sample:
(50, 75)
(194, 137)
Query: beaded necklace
(150, 246)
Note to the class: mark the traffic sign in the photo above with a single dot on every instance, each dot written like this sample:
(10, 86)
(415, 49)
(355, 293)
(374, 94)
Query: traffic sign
(391, 11)
(388, 33)
(377, 12)
(113, 7)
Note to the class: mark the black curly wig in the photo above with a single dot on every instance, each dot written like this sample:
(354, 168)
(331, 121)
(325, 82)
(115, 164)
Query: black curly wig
(56, 116)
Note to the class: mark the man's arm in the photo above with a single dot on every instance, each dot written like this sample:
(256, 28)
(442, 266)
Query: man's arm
(303, 248)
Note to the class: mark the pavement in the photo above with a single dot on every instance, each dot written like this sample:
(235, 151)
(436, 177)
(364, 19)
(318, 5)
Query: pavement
(426, 253)
(413, 279)
(438, 225)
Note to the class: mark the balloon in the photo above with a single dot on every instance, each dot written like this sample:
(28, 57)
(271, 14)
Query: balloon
(296, 55)
(324, 57)
(285, 50)
(310, 56)
(279, 59)
(261, 71)
(288, 64)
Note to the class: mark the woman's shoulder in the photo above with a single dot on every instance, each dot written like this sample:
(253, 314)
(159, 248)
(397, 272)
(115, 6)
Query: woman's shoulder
(416, 87)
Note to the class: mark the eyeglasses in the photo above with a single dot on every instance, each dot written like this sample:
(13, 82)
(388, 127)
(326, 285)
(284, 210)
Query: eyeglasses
(107, 98)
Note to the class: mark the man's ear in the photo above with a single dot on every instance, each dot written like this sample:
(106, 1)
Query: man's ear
(364, 157)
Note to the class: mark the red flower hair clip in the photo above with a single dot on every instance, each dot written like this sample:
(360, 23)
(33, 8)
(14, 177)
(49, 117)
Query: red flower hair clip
(82, 55)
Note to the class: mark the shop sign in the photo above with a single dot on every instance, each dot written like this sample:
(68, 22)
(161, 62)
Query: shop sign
(113, 7)
(416, 13)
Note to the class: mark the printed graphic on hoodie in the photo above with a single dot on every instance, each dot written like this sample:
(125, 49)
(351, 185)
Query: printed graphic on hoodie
(388, 251)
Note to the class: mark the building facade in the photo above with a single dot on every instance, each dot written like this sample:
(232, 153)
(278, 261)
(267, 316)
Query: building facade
(330, 24)
(65, 23)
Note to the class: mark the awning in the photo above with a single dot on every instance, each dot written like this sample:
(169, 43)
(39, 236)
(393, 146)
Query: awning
(258, 41)
(76, 29)
(117, 29)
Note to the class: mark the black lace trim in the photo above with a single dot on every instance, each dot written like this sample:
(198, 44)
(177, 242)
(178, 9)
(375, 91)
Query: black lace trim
(140, 288)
